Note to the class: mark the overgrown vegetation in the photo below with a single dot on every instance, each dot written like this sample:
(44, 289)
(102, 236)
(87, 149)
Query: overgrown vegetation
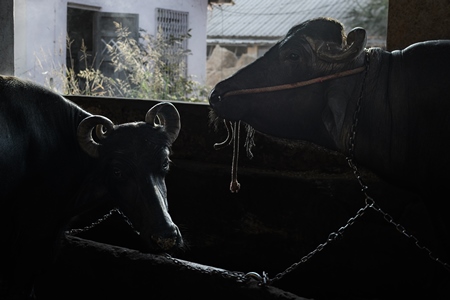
(151, 68)
(371, 15)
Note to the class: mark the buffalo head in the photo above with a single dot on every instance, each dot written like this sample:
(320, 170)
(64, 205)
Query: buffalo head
(132, 161)
(314, 112)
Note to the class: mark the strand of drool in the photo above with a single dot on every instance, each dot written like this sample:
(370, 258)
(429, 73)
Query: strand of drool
(234, 185)
(229, 139)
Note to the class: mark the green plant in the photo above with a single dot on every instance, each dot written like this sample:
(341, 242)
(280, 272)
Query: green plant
(152, 68)
(371, 15)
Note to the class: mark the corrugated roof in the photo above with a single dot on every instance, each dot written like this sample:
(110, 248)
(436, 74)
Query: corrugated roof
(271, 18)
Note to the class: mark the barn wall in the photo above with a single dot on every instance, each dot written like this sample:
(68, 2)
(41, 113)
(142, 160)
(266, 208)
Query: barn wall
(7, 37)
(416, 21)
(40, 37)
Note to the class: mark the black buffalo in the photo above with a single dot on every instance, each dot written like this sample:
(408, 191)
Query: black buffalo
(58, 160)
(308, 86)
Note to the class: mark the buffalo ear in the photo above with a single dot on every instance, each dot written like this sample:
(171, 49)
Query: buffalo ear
(348, 51)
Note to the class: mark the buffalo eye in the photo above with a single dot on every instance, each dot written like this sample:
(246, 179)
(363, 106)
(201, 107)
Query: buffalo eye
(293, 56)
(166, 165)
(117, 173)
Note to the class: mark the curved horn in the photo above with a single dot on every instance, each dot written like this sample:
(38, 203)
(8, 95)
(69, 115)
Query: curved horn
(101, 132)
(168, 117)
(356, 42)
(84, 133)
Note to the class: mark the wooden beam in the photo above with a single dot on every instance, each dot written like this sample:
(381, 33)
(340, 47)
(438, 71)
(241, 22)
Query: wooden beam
(100, 270)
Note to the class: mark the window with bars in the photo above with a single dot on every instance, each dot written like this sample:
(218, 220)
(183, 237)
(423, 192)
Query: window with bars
(173, 25)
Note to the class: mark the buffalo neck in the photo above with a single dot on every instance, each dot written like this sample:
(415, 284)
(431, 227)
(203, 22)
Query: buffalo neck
(375, 132)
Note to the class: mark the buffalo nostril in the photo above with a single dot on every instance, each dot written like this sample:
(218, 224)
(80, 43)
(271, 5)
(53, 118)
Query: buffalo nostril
(214, 97)
(165, 243)
(168, 240)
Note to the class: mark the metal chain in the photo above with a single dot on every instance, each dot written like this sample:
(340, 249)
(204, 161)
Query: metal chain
(364, 187)
(369, 201)
(410, 236)
(390, 219)
(331, 238)
(264, 278)
(76, 231)
(239, 277)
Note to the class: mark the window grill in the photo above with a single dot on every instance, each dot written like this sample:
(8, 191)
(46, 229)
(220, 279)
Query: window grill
(173, 25)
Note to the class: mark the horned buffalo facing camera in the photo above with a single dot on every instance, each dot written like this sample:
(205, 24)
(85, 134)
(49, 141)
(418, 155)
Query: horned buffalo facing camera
(58, 160)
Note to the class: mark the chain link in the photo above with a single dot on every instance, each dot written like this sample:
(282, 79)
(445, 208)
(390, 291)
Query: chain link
(369, 201)
(410, 236)
(76, 231)
(364, 187)
(334, 236)
(239, 277)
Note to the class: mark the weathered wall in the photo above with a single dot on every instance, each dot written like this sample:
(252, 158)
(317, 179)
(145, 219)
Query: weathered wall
(7, 37)
(415, 21)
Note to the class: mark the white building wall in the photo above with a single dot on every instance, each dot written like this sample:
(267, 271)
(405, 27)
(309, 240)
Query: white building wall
(40, 32)
(41, 25)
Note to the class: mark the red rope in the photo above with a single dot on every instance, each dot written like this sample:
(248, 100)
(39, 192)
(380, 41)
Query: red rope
(296, 84)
